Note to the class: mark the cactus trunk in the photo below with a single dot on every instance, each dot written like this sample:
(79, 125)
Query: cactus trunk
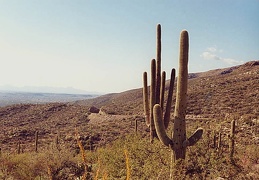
(179, 135)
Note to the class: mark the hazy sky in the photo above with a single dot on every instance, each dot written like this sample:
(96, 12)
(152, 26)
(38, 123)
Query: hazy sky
(105, 45)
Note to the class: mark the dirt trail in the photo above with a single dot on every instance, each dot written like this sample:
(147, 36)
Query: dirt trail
(103, 118)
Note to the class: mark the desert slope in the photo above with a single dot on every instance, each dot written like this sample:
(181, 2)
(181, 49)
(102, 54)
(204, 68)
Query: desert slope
(212, 95)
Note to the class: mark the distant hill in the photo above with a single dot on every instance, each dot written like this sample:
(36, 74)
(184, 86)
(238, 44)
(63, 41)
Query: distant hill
(212, 93)
(44, 89)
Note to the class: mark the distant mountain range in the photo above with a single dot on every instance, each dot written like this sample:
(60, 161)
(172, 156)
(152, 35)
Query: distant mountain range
(44, 89)
(37, 95)
(9, 98)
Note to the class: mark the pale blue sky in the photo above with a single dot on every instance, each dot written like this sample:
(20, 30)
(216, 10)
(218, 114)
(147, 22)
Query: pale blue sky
(105, 45)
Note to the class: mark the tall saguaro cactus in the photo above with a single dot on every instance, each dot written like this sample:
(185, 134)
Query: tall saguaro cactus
(157, 89)
(178, 142)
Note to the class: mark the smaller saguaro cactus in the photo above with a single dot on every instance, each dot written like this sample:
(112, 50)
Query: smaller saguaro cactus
(214, 139)
(157, 89)
(219, 141)
(56, 140)
(36, 141)
(232, 140)
(19, 147)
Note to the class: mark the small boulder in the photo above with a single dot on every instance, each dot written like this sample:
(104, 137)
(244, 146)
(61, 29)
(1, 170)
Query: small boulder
(94, 109)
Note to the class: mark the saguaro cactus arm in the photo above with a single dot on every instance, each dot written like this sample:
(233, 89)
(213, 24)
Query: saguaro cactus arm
(194, 138)
(145, 99)
(160, 128)
(158, 64)
(152, 98)
(169, 99)
(162, 90)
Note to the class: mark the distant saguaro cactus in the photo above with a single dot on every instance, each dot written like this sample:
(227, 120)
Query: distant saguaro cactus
(219, 141)
(36, 141)
(18, 147)
(178, 142)
(232, 140)
(157, 89)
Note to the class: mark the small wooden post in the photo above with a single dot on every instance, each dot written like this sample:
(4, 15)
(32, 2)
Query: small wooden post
(136, 126)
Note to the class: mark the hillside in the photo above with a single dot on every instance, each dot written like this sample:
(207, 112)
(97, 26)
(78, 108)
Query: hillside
(214, 99)
(211, 94)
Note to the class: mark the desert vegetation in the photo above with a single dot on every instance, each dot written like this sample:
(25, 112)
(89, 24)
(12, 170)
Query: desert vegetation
(210, 158)
(125, 141)
(106, 137)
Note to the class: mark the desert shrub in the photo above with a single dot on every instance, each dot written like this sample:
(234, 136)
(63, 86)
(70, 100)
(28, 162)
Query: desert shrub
(60, 163)
(247, 118)
(20, 166)
(152, 161)
(57, 163)
(249, 158)
(146, 161)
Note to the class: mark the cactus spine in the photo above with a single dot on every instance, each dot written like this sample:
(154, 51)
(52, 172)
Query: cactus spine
(157, 89)
(178, 142)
